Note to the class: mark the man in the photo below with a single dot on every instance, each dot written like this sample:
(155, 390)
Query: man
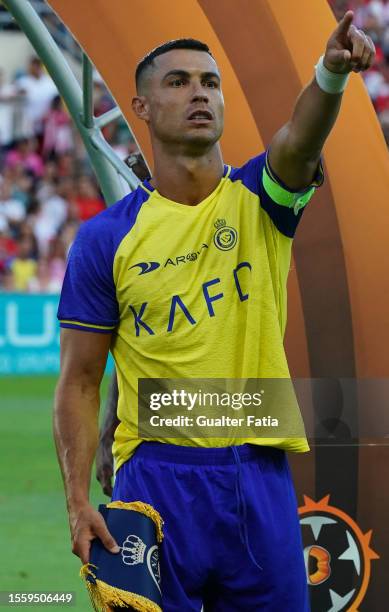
(39, 90)
(232, 538)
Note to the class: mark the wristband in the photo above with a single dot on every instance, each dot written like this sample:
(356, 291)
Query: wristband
(328, 81)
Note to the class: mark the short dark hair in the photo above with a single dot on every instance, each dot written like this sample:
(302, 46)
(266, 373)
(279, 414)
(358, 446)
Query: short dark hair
(179, 43)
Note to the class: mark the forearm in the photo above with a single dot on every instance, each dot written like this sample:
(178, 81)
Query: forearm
(312, 120)
(77, 402)
(76, 437)
(295, 149)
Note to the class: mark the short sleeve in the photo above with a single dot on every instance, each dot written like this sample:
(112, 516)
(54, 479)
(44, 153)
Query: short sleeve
(88, 298)
(284, 205)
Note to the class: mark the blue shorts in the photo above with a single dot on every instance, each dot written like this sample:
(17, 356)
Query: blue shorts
(232, 536)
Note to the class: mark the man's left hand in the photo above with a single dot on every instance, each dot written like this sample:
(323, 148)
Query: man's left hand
(349, 49)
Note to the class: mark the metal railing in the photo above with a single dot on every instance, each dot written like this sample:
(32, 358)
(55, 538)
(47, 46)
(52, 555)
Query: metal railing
(79, 100)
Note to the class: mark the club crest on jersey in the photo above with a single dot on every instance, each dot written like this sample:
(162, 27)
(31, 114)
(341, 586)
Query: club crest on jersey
(225, 237)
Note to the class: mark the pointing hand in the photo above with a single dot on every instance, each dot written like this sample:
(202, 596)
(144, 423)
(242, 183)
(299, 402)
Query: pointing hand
(349, 49)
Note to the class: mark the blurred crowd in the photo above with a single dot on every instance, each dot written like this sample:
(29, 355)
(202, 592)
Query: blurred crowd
(47, 187)
(373, 17)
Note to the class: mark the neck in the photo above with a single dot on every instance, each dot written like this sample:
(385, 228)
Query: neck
(184, 178)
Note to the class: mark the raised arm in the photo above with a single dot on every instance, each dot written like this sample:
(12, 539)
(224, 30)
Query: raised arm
(295, 150)
(77, 402)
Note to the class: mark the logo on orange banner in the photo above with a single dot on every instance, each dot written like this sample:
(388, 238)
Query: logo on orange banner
(337, 556)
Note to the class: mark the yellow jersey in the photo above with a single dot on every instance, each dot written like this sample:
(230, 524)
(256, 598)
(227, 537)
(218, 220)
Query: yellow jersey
(189, 291)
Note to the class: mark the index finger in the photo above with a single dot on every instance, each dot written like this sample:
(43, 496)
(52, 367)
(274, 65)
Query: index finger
(345, 23)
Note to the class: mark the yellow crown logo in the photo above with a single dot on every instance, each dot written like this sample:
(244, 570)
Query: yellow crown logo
(220, 223)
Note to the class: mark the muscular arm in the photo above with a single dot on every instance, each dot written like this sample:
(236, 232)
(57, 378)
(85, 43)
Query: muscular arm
(295, 150)
(77, 401)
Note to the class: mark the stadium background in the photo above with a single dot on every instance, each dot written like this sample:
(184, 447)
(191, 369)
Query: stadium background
(47, 189)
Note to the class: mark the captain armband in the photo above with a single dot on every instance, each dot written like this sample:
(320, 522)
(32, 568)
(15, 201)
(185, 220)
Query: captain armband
(283, 196)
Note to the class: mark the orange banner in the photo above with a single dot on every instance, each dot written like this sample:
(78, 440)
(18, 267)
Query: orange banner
(266, 50)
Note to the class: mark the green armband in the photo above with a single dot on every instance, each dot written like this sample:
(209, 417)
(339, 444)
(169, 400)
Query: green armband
(282, 196)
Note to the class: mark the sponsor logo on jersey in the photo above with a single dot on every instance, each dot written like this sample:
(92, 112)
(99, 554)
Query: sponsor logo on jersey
(150, 266)
(210, 293)
(146, 266)
(189, 257)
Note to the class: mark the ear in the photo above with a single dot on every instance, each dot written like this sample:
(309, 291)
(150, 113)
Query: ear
(141, 108)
